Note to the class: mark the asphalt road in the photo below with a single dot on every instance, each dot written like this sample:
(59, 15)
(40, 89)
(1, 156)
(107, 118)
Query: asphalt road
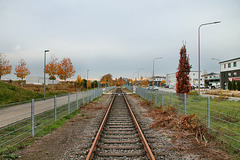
(16, 113)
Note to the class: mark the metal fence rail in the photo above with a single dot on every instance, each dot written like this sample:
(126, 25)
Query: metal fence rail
(221, 117)
(130, 88)
(19, 122)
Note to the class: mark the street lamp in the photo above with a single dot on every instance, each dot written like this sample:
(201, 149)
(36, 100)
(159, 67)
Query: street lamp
(134, 77)
(153, 63)
(45, 72)
(219, 70)
(199, 52)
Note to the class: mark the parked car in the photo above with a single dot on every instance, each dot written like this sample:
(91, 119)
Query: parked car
(171, 87)
(150, 87)
(155, 88)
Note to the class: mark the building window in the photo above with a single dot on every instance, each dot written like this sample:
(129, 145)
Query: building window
(229, 65)
(234, 64)
(224, 75)
(235, 74)
(229, 74)
(224, 65)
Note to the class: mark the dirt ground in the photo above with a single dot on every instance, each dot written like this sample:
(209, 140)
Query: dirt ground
(62, 143)
(56, 144)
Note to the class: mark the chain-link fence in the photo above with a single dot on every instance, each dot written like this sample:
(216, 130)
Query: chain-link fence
(21, 121)
(130, 88)
(221, 117)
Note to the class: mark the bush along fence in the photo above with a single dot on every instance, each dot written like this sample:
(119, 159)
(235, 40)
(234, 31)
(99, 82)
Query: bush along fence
(22, 121)
(221, 117)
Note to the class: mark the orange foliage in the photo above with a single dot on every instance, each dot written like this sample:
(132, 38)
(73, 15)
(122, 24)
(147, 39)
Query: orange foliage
(5, 68)
(120, 81)
(21, 70)
(51, 68)
(65, 69)
(79, 81)
(107, 79)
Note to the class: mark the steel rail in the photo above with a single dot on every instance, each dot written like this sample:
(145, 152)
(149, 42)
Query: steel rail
(95, 142)
(143, 139)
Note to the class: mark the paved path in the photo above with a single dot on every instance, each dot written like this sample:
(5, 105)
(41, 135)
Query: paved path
(16, 113)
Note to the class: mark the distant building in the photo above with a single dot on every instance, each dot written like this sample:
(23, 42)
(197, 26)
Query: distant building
(40, 80)
(156, 81)
(212, 80)
(171, 79)
(229, 71)
(193, 79)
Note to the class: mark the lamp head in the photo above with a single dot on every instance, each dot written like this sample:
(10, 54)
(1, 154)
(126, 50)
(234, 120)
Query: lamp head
(217, 22)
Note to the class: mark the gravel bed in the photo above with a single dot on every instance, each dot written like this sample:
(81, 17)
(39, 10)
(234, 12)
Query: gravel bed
(162, 143)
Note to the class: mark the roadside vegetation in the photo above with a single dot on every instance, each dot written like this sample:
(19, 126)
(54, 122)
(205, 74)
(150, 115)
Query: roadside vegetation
(224, 119)
(13, 93)
(9, 152)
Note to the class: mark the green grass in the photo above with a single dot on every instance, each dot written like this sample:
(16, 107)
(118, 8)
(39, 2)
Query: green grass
(13, 94)
(17, 135)
(8, 151)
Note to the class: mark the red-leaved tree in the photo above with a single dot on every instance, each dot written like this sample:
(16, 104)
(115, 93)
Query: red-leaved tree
(182, 75)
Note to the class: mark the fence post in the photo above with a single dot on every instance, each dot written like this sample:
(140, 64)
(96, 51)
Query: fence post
(171, 99)
(185, 104)
(83, 98)
(32, 117)
(208, 112)
(55, 108)
(162, 97)
(155, 97)
(76, 100)
(68, 103)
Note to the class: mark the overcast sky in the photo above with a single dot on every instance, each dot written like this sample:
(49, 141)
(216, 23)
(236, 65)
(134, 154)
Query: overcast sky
(118, 36)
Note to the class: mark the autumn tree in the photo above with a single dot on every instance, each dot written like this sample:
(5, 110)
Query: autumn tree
(120, 81)
(182, 75)
(52, 68)
(65, 69)
(94, 84)
(79, 81)
(5, 68)
(107, 80)
(21, 70)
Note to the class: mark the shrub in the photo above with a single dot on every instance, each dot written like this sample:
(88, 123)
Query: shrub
(234, 86)
(238, 85)
(195, 93)
(230, 85)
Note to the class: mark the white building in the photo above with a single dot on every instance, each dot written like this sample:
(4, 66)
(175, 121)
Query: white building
(193, 79)
(157, 80)
(40, 80)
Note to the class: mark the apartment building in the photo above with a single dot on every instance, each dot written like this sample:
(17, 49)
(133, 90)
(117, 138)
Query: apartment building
(193, 79)
(229, 71)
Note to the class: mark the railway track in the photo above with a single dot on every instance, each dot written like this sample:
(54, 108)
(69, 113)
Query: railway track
(119, 135)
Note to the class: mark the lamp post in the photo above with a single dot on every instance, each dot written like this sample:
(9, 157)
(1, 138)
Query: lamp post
(153, 63)
(219, 70)
(199, 52)
(133, 77)
(45, 72)
(138, 74)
